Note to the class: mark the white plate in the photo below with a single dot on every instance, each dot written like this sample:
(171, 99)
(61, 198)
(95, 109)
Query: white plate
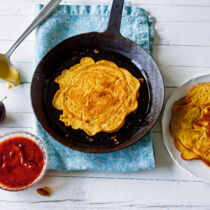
(194, 167)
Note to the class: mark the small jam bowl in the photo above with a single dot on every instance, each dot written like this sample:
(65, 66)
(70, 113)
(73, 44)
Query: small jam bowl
(40, 144)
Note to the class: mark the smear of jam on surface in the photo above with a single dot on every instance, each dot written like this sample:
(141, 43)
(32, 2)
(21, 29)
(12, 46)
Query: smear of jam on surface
(21, 162)
(45, 191)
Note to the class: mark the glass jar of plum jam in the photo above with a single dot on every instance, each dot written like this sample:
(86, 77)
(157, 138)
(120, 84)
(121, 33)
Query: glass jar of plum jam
(23, 160)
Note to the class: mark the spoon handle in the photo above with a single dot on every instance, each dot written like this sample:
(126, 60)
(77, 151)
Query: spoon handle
(45, 12)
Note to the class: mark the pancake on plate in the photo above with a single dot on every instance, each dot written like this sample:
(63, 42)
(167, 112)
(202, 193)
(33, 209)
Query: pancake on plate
(96, 96)
(190, 123)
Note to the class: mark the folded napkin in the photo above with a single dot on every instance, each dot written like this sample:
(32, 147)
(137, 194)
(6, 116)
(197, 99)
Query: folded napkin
(70, 20)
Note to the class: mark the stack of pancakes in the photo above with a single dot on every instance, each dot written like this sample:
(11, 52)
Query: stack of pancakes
(96, 96)
(190, 124)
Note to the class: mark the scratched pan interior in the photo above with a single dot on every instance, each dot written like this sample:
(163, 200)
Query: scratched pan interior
(117, 49)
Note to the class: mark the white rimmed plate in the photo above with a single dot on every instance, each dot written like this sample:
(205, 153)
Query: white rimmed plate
(194, 167)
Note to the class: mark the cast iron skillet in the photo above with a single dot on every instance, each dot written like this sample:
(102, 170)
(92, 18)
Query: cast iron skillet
(109, 45)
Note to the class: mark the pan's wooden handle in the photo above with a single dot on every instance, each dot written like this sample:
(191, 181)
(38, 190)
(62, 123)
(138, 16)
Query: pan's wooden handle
(115, 17)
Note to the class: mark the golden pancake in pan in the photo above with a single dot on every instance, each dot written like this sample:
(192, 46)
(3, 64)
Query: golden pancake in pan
(190, 123)
(96, 96)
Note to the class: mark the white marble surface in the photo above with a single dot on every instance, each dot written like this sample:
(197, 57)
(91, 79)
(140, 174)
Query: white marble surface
(182, 50)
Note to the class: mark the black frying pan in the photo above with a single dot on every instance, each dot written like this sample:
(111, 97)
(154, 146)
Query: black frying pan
(113, 47)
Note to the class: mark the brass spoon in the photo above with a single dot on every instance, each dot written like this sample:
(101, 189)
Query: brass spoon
(8, 72)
